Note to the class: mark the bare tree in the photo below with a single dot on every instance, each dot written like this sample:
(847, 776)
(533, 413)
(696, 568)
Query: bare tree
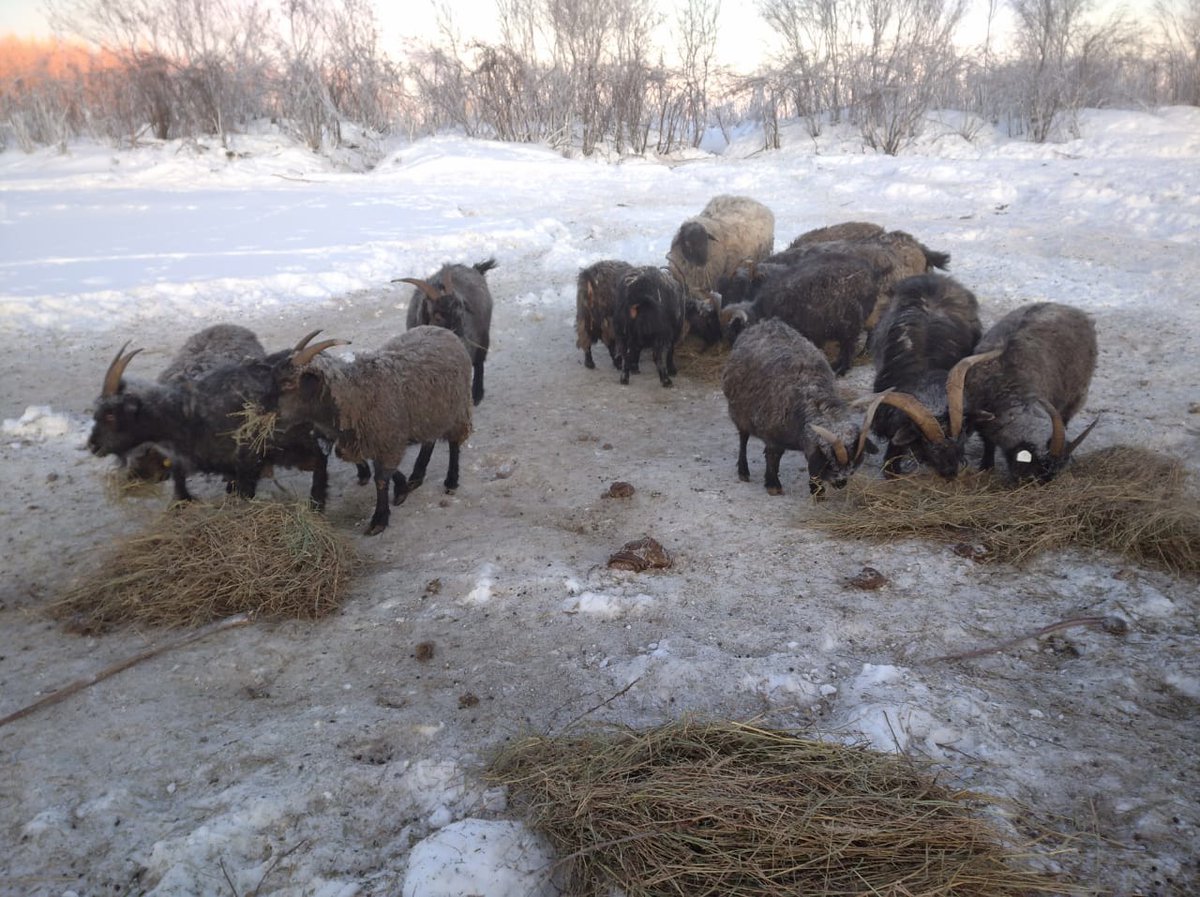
(1179, 22)
(697, 47)
(908, 60)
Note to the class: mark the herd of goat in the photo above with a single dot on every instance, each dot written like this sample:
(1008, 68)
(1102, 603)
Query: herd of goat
(794, 320)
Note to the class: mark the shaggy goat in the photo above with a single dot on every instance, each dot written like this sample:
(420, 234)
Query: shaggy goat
(730, 230)
(931, 324)
(416, 388)
(894, 255)
(649, 312)
(202, 352)
(822, 298)
(781, 390)
(194, 422)
(595, 300)
(1030, 377)
(457, 298)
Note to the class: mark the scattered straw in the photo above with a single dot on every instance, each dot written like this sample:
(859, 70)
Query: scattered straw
(257, 427)
(728, 809)
(119, 486)
(198, 563)
(1131, 501)
(699, 362)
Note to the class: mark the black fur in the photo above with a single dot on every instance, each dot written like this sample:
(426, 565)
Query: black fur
(649, 313)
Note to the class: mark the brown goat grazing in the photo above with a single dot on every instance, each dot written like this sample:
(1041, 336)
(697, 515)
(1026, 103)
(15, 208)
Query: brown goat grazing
(1030, 376)
(595, 300)
(416, 388)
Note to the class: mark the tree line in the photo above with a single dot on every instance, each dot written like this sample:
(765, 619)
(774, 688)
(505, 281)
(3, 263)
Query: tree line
(584, 75)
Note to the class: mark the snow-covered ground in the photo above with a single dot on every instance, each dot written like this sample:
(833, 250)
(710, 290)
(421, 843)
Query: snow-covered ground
(330, 759)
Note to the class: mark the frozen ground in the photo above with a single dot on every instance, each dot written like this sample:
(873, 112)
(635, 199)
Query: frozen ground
(311, 758)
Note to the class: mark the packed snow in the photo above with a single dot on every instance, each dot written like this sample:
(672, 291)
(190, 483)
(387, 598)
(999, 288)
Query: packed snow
(334, 759)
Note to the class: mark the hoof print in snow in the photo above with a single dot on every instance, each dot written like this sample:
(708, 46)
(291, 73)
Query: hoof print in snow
(639, 555)
(467, 699)
(424, 652)
(373, 753)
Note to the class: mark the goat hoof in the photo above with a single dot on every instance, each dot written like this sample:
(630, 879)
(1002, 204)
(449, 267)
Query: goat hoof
(744, 477)
(589, 364)
(774, 490)
(399, 499)
(375, 529)
(450, 490)
(667, 384)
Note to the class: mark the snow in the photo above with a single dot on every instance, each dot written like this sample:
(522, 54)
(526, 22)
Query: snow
(329, 759)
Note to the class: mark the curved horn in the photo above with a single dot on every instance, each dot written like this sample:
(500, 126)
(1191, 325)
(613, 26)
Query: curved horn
(956, 382)
(307, 354)
(423, 285)
(920, 415)
(304, 340)
(1078, 439)
(112, 377)
(839, 447)
(865, 432)
(1058, 436)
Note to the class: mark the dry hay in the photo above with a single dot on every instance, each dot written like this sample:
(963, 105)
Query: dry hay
(729, 809)
(700, 362)
(199, 562)
(1128, 500)
(256, 429)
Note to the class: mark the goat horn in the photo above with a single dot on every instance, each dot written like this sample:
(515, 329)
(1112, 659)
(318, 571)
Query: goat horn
(1078, 439)
(873, 403)
(308, 353)
(112, 378)
(839, 447)
(1058, 436)
(956, 382)
(423, 285)
(304, 340)
(921, 415)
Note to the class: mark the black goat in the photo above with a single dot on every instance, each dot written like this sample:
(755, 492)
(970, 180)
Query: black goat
(931, 324)
(649, 312)
(194, 422)
(823, 298)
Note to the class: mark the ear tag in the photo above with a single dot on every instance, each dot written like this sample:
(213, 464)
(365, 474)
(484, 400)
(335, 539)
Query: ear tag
(1024, 456)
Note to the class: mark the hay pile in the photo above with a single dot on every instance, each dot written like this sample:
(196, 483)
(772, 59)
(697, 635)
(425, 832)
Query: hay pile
(1131, 501)
(727, 809)
(198, 563)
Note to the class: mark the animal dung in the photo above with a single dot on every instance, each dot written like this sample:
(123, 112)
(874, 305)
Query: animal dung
(868, 579)
(197, 563)
(620, 489)
(641, 554)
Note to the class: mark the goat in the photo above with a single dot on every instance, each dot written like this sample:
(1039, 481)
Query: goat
(931, 324)
(781, 389)
(457, 298)
(416, 388)
(1030, 376)
(195, 421)
(730, 230)
(595, 300)
(822, 298)
(894, 255)
(202, 352)
(649, 312)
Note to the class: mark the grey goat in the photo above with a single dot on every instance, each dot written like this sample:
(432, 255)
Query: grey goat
(457, 298)
(781, 390)
(1030, 375)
